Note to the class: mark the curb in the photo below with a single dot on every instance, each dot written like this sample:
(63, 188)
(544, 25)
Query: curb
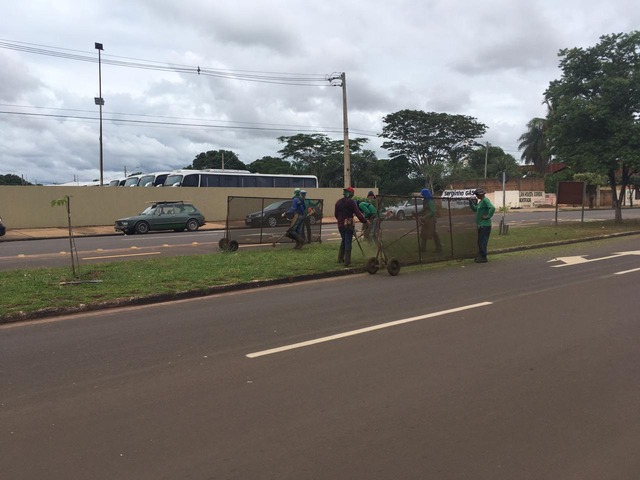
(151, 299)
(167, 297)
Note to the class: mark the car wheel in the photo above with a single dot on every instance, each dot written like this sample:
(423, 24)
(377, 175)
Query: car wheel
(192, 225)
(272, 221)
(400, 215)
(142, 227)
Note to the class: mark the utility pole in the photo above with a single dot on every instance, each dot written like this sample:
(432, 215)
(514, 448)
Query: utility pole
(342, 77)
(345, 122)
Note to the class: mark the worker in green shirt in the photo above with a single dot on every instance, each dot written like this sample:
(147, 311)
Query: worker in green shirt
(484, 211)
(370, 212)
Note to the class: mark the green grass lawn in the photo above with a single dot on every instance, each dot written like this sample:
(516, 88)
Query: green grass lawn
(53, 289)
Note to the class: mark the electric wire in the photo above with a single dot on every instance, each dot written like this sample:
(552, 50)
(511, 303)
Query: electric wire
(299, 79)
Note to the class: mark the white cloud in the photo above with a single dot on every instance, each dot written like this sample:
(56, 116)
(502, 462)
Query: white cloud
(491, 60)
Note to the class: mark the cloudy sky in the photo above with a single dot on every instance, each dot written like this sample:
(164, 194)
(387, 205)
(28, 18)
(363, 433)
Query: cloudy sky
(263, 69)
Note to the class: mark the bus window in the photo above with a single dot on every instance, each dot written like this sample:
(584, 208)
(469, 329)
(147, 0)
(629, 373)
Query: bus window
(265, 182)
(229, 181)
(248, 181)
(208, 180)
(310, 183)
(280, 182)
(191, 180)
(297, 182)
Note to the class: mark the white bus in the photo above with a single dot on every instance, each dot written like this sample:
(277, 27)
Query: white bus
(237, 178)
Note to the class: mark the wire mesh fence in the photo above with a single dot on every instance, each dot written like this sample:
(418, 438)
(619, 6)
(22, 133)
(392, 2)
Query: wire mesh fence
(264, 220)
(410, 230)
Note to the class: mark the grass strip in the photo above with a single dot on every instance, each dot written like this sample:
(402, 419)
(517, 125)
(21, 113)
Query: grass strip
(43, 289)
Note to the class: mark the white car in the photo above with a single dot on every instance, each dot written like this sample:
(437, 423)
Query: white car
(406, 209)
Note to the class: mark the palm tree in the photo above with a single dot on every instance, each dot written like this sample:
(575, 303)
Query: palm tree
(534, 145)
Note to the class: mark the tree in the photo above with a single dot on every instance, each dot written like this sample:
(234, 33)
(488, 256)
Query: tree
(396, 177)
(429, 140)
(270, 165)
(534, 145)
(497, 161)
(213, 159)
(11, 179)
(594, 123)
(316, 154)
(364, 169)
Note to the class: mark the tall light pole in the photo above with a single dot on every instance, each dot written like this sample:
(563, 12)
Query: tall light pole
(345, 122)
(100, 101)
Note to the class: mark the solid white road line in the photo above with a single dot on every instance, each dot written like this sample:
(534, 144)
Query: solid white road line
(627, 271)
(365, 330)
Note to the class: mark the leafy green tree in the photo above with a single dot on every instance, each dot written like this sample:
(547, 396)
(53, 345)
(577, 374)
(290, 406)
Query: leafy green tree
(316, 154)
(397, 177)
(213, 159)
(594, 123)
(534, 145)
(364, 169)
(11, 179)
(270, 165)
(497, 161)
(429, 140)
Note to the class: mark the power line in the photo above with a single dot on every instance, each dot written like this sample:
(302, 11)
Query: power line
(299, 79)
(282, 128)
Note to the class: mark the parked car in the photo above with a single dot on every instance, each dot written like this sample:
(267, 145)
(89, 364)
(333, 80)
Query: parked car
(272, 215)
(3, 229)
(406, 209)
(176, 216)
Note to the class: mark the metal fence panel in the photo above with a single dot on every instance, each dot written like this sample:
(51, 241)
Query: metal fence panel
(409, 236)
(259, 220)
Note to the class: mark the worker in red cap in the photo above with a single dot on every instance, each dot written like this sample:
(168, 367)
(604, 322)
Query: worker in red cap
(345, 209)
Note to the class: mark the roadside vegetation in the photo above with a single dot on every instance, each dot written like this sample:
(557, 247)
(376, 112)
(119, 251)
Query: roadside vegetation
(41, 291)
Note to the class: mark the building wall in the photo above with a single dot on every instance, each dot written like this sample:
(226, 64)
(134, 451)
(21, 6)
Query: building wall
(30, 207)
(493, 184)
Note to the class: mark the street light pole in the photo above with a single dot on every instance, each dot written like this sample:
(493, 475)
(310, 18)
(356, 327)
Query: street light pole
(100, 101)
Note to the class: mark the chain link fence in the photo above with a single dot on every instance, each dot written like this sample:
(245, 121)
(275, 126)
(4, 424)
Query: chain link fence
(264, 220)
(407, 233)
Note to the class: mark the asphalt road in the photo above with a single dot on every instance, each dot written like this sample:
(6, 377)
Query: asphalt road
(523, 368)
(110, 248)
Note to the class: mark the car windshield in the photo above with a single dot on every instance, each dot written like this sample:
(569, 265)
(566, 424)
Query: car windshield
(149, 210)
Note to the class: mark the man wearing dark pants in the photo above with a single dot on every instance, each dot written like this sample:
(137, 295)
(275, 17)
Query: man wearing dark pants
(345, 209)
(484, 211)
